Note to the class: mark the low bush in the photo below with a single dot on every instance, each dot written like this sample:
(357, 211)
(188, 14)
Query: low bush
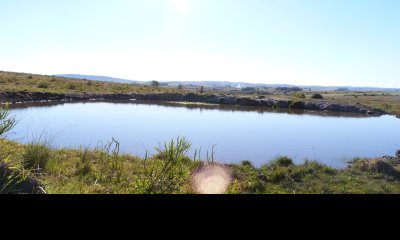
(281, 162)
(317, 96)
(43, 85)
(299, 95)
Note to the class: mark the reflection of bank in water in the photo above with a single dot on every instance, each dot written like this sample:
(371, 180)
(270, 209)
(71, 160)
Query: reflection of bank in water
(202, 106)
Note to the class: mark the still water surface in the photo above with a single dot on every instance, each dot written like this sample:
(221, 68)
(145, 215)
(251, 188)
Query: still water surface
(239, 133)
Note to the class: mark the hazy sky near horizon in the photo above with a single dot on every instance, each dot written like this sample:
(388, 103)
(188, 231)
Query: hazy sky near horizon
(301, 42)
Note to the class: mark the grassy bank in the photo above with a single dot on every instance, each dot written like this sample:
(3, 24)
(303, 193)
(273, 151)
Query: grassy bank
(16, 82)
(104, 170)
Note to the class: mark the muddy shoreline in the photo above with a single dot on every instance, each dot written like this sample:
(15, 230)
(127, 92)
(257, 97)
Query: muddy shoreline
(27, 97)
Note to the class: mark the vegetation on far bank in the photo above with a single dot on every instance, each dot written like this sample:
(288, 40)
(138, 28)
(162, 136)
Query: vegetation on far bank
(17, 82)
(22, 82)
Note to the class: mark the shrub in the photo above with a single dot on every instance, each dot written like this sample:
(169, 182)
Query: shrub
(317, 96)
(6, 122)
(299, 95)
(247, 163)
(282, 162)
(165, 173)
(43, 85)
(155, 84)
(277, 176)
(328, 170)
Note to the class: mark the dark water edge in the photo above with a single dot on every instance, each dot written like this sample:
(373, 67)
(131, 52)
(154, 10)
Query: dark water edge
(201, 106)
(26, 97)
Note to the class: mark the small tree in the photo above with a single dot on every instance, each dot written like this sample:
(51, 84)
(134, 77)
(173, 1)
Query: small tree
(202, 89)
(180, 86)
(6, 122)
(155, 83)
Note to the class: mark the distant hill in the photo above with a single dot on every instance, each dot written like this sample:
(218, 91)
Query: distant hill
(97, 78)
(215, 84)
(219, 84)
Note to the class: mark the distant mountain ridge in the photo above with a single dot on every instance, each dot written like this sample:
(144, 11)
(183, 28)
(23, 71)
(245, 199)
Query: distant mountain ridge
(264, 85)
(97, 78)
(227, 84)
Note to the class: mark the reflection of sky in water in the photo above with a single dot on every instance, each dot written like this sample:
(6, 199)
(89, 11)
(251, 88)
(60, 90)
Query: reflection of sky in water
(239, 135)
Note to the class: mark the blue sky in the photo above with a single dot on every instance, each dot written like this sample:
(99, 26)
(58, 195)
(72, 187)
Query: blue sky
(303, 42)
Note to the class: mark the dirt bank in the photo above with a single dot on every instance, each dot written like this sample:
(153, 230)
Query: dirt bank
(25, 97)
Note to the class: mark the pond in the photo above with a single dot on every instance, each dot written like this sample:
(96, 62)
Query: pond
(238, 133)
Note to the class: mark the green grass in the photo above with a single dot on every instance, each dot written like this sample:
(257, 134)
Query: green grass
(36, 156)
(312, 177)
(104, 170)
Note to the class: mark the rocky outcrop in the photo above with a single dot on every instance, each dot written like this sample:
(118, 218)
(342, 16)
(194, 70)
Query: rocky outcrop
(25, 97)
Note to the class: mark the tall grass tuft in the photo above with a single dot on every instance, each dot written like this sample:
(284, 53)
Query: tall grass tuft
(37, 154)
(84, 163)
(111, 165)
(166, 173)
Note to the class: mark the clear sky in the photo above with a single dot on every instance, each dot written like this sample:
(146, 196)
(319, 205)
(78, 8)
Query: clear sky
(303, 42)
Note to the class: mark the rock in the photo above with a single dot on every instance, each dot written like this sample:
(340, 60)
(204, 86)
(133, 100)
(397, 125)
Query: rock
(398, 153)
(384, 167)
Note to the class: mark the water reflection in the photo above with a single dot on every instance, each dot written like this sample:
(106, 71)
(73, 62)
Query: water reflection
(201, 106)
(240, 132)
